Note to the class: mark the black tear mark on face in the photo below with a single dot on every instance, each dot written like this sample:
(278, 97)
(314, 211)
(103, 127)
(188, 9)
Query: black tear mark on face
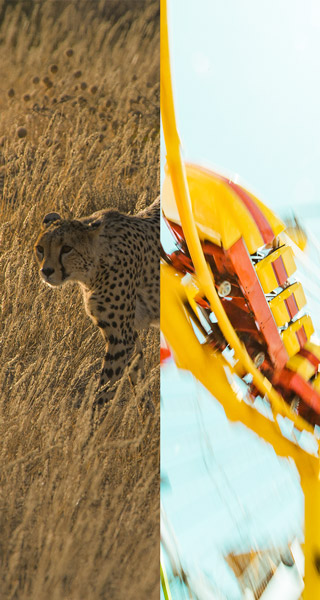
(64, 273)
(66, 250)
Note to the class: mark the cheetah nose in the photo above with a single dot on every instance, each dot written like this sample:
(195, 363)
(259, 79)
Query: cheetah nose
(47, 271)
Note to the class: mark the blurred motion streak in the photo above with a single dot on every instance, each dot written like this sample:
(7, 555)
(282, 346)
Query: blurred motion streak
(230, 284)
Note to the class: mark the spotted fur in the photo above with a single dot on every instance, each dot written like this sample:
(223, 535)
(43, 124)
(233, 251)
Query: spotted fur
(115, 260)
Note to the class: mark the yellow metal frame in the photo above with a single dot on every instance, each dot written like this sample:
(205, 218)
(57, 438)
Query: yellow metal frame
(278, 306)
(210, 367)
(265, 271)
(221, 222)
(289, 338)
(302, 366)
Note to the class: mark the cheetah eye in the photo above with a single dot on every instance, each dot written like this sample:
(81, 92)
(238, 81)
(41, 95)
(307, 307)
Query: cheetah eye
(39, 249)
(65, 249)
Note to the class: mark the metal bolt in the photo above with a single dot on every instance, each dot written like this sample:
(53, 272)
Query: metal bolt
(259, 359)
(224, 289)
(294, 405)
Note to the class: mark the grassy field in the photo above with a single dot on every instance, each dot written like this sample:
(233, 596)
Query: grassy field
(79, 131)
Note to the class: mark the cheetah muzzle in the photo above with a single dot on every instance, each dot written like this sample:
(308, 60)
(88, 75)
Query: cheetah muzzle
(115, 260)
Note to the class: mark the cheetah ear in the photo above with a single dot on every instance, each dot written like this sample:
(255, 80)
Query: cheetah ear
(95, 225)
(50, 218)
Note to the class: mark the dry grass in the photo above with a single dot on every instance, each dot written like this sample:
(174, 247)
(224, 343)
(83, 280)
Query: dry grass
(79, 516)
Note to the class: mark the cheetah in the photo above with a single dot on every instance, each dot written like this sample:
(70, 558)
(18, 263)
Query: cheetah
(115, 259)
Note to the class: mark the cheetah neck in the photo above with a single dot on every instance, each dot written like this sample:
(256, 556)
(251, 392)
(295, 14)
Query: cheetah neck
(92, 301)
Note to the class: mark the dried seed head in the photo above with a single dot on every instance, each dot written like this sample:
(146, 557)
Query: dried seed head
(77, 74)
(83, 85)
(22, 132)
(11, 93)
(93, 89)
(26, 97)
(69, 52)
(36, 80)
(65, 98)
(54, 68)
(47, 82)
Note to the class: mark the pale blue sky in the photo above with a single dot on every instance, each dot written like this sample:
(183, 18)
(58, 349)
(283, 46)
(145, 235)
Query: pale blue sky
(247, 91)
(223, 488)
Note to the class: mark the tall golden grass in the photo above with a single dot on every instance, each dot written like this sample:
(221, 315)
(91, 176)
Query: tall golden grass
(79, 131)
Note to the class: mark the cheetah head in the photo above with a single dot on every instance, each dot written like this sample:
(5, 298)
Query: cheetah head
(65, 250)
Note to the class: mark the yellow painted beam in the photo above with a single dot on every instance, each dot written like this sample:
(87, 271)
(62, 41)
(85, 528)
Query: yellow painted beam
(311, 490)
(215, 373)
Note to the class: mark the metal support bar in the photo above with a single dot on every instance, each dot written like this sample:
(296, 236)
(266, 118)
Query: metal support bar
(311, 490)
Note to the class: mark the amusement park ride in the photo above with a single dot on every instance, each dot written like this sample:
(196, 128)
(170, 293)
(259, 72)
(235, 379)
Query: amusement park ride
(232, 312)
